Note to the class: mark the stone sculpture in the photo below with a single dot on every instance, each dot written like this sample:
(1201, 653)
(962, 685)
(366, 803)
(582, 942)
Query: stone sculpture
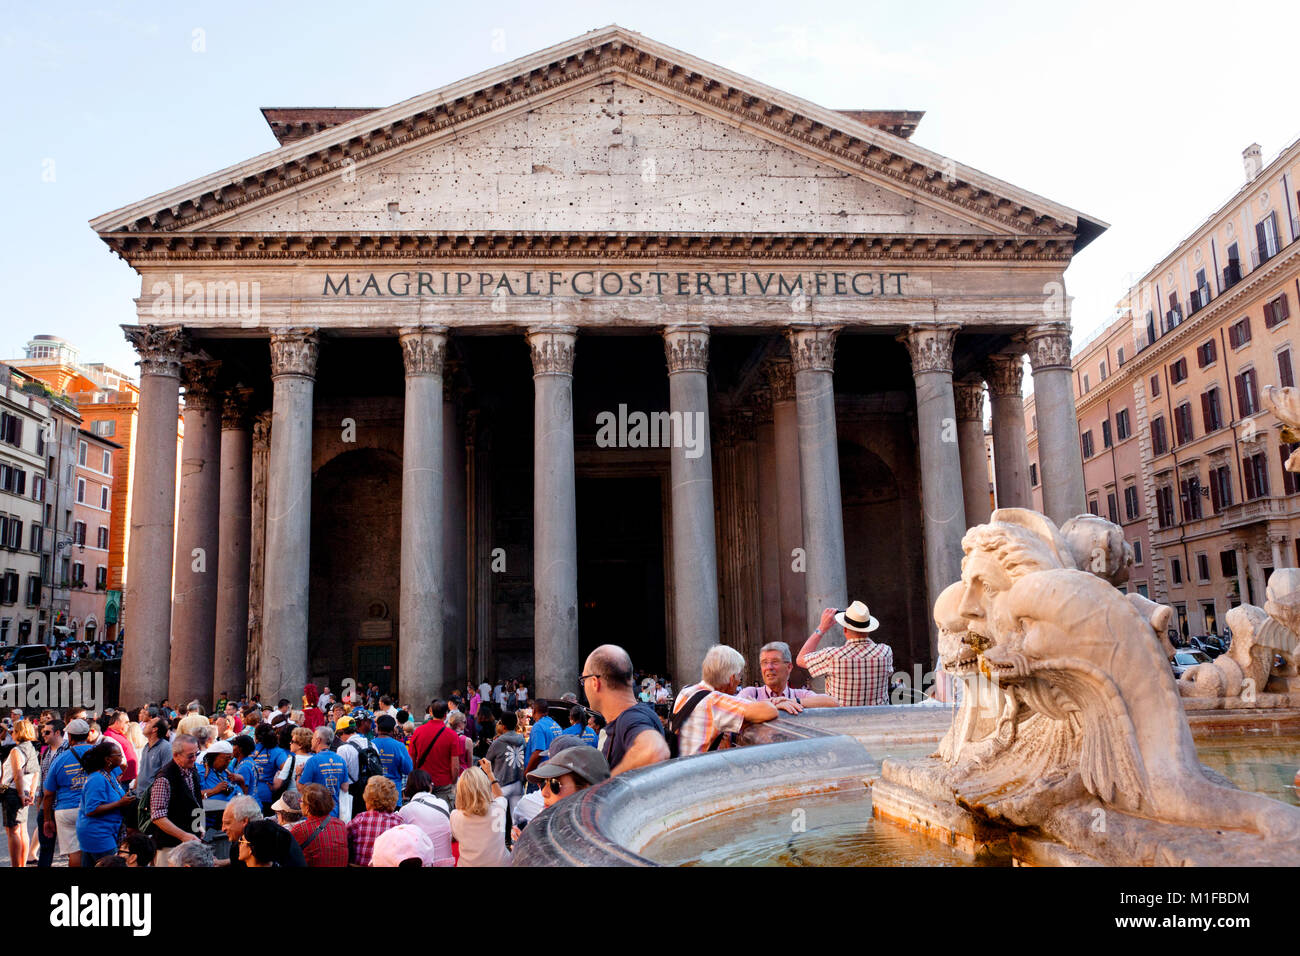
(1071, 714)
(1285, 404)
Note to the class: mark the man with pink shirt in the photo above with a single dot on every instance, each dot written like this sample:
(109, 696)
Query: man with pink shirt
(775, 665)
(116, 732)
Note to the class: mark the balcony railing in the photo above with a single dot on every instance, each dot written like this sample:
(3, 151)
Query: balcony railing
(1232, 274)
(1199, 299)
(1261, 254)
(1172, 318)
(1250, 512)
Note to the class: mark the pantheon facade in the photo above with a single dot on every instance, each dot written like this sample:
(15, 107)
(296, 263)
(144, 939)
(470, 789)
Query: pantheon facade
(607, 344)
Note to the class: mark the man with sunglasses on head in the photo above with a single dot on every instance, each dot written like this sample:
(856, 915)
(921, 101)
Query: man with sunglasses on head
(634, 734)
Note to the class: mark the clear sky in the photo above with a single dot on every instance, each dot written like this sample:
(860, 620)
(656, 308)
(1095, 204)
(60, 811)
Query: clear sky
(1133, 113)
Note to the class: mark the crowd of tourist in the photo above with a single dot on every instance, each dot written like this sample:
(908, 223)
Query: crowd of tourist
(365, 781)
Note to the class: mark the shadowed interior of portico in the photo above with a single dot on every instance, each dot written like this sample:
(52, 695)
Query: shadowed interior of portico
(624, 526)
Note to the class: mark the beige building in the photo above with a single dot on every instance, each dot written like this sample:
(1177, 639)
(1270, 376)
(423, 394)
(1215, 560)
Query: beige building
(1196, 341)
(24, 412)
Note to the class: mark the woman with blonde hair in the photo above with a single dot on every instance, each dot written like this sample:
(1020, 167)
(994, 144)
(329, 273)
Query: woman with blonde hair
(478, 823)
(22, 765)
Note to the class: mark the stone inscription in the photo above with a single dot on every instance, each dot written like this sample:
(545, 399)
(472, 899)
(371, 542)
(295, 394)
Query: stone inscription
(599, 283)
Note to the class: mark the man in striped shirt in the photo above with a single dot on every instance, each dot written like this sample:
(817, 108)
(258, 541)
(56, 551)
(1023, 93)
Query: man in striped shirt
(719, 711)
(857, 673)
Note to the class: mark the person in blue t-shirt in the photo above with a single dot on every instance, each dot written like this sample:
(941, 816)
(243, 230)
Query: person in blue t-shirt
(244, 769)
(99, 820)
(61, 791)
(545, 729)
(268, 757)
(325, 766)
(578, 726)
(393, 755)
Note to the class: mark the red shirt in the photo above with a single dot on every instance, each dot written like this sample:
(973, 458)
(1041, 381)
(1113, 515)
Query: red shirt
(330, 846)
(437, 764)
(312, 718)
(128, 755)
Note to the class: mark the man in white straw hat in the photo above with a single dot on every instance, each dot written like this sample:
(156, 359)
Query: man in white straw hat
(857, 673)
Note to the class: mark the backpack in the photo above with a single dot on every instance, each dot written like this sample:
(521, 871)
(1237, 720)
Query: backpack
(368, 766)
(676, 720)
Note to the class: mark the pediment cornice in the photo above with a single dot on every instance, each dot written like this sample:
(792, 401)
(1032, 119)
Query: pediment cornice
(906, 247)
(612, 52)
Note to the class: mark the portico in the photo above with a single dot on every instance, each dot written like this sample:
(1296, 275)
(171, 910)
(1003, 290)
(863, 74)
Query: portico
(438, 351)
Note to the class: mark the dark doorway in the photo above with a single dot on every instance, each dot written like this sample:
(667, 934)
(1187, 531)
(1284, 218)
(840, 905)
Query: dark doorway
(621, 568)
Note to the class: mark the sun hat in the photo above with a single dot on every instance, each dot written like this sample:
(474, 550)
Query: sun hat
(857, 618)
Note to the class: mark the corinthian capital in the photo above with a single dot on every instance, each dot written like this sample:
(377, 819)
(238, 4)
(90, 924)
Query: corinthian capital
(930, 347)
(1049, 346)
(161, 348)
(424, 350)
(294, 352)
(812, 349)
(236, 415)
(199, 376)
(552, 349)
(1004, 373)
(686, 347)
(780, 379)
(969, 397)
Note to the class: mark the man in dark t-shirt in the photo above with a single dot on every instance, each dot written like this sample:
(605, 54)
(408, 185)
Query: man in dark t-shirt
(634, 735)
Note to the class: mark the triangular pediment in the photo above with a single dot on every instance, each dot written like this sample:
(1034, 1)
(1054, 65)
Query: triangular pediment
(609, 132)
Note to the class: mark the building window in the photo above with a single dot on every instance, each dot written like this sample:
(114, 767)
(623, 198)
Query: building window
(1155, 386)
(101, 541)
(1205, 354)
(1131, 502)
(1247, 393)
(1102, 371)
(1176, 570)
(1105, 434)
(1290, 480)
(1137, 552)
(1087, 446)
(1211, 413)
(103, 497)
(1093, 508)
(14, 534)
(38, 488)
(1239, 332)
(1190, 496)
(1159, 440)
(1178, 371)
(1266, 239)
(1220, 488)
(1086, 386)
(78, 573)
(79, 532)
(33, 590)
(13, 479)
(37, 539)
(1119, 356)
(1254, 471)
(104, 429)
(1228, 564)
(9, 588)
(11, 429)
(1285, 377)
(1122, 429)
(1276, 311)
(101, 578)
(1144, 590)
(1112, 507)
(1203, 567)
(108, 463)
(1165, 506)
(81, 491)
(1033, 474)
(1183, 432)
(81, 454)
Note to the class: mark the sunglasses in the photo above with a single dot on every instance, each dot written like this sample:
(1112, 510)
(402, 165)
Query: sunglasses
(553, 785)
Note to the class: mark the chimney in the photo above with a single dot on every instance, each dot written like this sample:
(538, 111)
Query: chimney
(1253, 160)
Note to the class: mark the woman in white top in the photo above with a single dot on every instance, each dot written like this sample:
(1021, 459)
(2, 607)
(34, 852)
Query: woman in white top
(478, 823)
(18, 782)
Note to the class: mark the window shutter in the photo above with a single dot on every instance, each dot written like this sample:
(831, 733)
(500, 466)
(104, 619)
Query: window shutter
(1285, 377)
(1248, 474)
(1281, 310)
(1214, 490)
(1207, 414)
(1241, 395)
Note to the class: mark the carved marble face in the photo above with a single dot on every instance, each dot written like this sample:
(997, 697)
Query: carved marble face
(958, 648)
(982, 579)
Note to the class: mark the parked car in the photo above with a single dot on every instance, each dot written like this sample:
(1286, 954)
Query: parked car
(1208, 644)
(25, 655)
(1188, 658)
